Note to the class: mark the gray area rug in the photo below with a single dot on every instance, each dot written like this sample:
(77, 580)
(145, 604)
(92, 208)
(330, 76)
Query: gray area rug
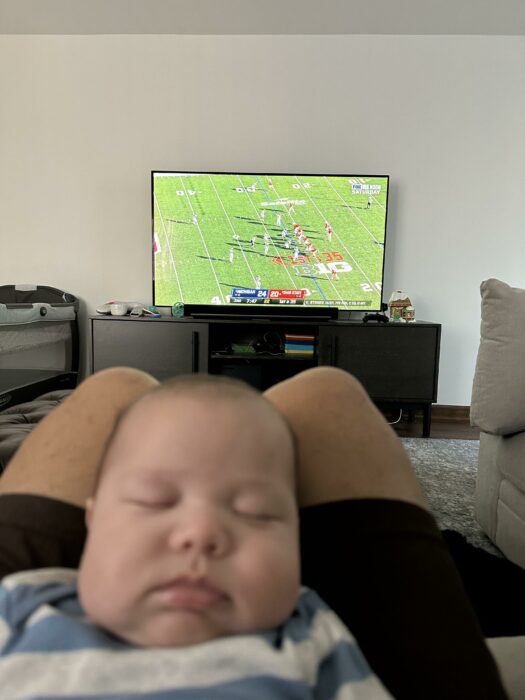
(447, 472)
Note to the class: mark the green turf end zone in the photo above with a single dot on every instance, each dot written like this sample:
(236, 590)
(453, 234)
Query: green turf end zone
(210, 229)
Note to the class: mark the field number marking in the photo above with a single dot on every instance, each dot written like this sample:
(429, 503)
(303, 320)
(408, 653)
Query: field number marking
(367, 288)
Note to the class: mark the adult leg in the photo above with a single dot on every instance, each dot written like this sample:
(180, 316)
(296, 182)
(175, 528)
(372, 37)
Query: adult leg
(45, 487)
(372, 550)
(345, 447)
(60, 457)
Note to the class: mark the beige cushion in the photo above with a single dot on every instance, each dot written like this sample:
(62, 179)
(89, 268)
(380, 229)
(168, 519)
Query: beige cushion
(509, 653)
(511, 460)
(498, 392)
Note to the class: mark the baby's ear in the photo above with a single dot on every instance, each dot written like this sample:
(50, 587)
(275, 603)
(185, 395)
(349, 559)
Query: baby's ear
(89, 512)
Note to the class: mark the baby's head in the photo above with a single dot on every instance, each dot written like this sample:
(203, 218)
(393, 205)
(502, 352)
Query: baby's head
(193, 529)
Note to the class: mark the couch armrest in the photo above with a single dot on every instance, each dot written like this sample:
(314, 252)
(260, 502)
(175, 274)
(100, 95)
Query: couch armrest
(498, 392)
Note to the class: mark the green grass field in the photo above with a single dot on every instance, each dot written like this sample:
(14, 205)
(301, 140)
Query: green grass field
(201, 220)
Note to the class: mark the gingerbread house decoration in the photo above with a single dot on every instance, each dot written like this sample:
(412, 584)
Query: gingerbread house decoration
(400, 307)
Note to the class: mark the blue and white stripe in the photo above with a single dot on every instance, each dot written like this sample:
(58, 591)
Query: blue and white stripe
(49, 649)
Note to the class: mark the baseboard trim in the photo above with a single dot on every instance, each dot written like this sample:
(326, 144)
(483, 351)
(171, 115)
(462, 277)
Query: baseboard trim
(448, 414)
(451, 414)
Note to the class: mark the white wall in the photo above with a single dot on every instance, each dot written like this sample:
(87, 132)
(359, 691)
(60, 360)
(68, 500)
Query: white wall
(83, 121)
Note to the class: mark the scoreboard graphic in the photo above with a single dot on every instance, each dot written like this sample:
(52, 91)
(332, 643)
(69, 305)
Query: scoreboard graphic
(268, 296)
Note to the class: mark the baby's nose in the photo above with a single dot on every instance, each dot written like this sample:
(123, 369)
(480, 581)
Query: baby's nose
(205, 533)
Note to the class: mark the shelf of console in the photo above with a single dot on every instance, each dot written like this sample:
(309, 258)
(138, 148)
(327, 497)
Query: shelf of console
(261, 357)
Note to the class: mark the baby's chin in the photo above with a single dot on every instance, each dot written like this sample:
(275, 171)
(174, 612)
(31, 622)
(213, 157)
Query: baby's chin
(188, 630)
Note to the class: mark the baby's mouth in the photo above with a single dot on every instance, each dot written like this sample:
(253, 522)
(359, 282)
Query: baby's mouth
(190, 594)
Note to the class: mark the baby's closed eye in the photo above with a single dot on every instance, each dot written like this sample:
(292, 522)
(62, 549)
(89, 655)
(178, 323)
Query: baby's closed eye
(256, 508)
(151, 498)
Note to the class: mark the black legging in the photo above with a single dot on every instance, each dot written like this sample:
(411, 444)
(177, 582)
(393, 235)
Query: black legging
(387, 572)
(381, 565)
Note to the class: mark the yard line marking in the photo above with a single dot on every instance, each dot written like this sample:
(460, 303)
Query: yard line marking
(203, 240)
(353, 213)
(169, 248)
(342, 244)
(273, 242)
(232, 227)
(327, 279)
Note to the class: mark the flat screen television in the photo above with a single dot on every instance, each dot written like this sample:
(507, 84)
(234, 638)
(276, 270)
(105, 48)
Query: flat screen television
(223, 242)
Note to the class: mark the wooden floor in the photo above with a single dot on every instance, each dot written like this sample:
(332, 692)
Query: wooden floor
(451, 425)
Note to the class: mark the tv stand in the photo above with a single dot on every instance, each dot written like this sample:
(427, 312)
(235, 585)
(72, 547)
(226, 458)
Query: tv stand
(397, 363)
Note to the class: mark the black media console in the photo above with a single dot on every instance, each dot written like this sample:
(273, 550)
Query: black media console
(396, 362)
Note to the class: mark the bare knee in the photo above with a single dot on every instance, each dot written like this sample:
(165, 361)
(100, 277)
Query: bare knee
(117, 380)
(327, 384)
(121, 375)
(332, 379)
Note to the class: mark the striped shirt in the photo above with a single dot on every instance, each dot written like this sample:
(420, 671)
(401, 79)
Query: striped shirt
(50, 649)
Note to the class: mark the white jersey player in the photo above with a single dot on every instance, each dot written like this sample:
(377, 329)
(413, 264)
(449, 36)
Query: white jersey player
(257, 282)
(194, 219)
(231, 255)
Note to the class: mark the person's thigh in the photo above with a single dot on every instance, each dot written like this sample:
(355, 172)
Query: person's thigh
(46, 484)
(345, 448)
(372, 550)
(60, 457)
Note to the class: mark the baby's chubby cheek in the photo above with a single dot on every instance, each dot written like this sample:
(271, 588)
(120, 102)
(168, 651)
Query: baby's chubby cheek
(95, 595)
(104, 593)
(270, 592)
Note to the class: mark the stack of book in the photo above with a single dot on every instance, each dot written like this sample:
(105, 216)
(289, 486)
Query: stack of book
(299, 345)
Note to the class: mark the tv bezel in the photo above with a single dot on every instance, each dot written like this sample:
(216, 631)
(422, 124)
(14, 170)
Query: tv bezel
(263, 310)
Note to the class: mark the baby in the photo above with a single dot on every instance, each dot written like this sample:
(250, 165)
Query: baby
(193, 531)
(190, 576)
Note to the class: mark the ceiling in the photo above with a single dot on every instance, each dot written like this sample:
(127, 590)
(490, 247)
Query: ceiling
(482, 17)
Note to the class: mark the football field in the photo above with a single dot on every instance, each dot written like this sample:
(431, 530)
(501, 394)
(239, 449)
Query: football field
(214, 233)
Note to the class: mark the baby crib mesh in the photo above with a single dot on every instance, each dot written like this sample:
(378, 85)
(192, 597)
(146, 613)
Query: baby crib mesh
(38, 328)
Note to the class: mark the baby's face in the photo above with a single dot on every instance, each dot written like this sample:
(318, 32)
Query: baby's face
(193, 533)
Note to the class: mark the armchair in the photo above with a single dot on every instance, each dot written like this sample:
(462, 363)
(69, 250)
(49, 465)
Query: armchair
(498, 409)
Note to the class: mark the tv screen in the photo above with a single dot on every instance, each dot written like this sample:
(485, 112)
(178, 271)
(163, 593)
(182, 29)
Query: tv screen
(268, 239)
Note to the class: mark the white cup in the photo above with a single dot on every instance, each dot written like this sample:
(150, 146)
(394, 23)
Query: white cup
(118, 309)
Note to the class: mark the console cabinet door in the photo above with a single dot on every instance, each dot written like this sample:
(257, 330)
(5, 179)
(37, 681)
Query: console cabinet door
(164, 348)
(391, 361)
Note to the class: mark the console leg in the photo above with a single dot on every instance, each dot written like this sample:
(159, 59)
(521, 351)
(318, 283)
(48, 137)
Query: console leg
(427, 418)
